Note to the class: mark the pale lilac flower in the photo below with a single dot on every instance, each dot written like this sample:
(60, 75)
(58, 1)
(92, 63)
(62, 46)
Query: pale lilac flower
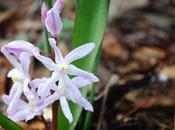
(65, 91)
(43, 12)
(58, 6)
(67, 88)
(26, 110)
(51, 18)
(17, 47)
(19, 75)
(62, 68)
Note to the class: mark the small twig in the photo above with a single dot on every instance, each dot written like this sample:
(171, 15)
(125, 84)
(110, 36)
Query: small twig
(136, 108)
(112, 80)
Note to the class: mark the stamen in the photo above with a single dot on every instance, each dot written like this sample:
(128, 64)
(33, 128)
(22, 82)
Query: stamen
(62, 89)
(63, 68)
(18, 77)
(32, 106)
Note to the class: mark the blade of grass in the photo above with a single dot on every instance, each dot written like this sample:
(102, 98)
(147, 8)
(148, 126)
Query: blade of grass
(89, 27)
(8, 124)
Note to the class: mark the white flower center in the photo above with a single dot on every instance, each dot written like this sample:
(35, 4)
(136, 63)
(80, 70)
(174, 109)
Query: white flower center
(63, 68)
(32, 106)
(62, 89)
(18, 77)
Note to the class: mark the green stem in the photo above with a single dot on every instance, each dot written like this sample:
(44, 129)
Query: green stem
(49, 2)
(89, 114)
(54, 116)
(49, 50)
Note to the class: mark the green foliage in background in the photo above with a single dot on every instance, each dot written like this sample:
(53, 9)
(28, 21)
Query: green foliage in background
(90, 25)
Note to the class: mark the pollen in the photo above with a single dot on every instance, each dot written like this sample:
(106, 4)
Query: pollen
(17, 77)
(63, 68)
(62, 89)
(32, 106)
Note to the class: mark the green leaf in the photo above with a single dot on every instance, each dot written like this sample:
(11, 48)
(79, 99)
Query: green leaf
(49, 2)
(47, 34)
(90, 25)
(8, 124)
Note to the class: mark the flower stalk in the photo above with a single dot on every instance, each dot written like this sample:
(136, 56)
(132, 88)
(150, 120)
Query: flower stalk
(54, 115)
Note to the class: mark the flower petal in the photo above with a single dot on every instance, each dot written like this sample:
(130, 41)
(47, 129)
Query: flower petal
(11, 58)
(25, 63)
(31, 116)
(50, 99)
(44, 89)
(58, 6)
(13, 90)
(35, 83)
(27, 92)
(65, 108)
(81, 73)
(6, 99)
(79, 52)
(48, 63)
(20, 115)
(71, 87)
(85, 104)
(37, 112)
(43, 12)
(21, 103)
(18, 46)
(11, 72)
(53, 23)
(81, 82)
(14, 101)
(79, 100)
(58, 55)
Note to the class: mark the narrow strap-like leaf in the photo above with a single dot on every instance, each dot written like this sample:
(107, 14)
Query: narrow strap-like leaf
(8, 124)
(89, 27)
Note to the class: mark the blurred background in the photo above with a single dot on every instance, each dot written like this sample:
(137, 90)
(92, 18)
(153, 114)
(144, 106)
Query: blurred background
(137, 69)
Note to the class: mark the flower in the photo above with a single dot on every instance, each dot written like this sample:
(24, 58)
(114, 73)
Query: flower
(17, 47)
(64, 91)
(19, 74)
(51, 18)
(62, 68)
(67, 88)
(26, 110)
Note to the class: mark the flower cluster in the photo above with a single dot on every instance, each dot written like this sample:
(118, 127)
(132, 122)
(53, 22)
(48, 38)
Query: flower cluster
(62, 85)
